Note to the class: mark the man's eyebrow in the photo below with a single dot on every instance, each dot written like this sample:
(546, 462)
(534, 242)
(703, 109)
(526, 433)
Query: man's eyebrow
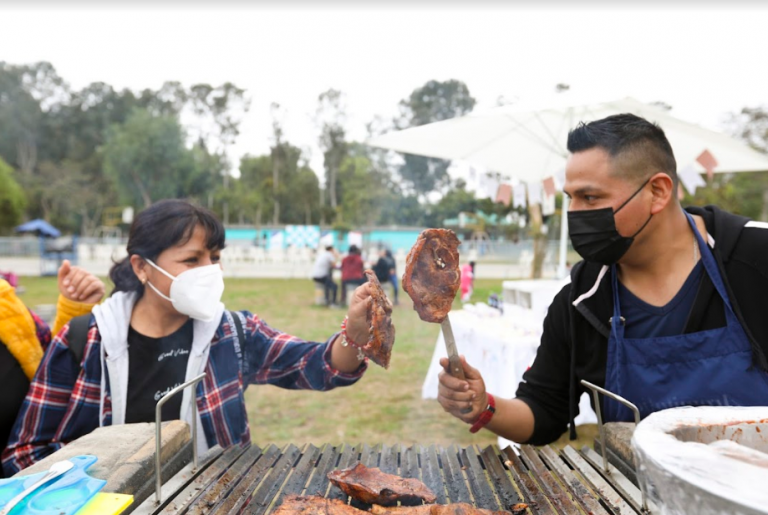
(584, 190)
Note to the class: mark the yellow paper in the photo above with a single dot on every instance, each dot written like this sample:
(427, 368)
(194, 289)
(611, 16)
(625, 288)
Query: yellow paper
(106, 504)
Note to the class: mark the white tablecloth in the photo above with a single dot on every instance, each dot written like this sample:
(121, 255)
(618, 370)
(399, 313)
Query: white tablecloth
(501, 349)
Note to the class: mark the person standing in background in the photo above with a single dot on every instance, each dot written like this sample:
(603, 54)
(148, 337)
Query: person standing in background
(383, 267)
(393, 275)
(467, 281)
(322, 273)
(352, 272)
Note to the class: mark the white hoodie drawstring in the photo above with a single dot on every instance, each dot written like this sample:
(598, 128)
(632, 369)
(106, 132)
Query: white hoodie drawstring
(102, 356)
(592, 290)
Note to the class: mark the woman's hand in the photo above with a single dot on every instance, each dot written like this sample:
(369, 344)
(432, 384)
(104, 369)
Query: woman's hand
(78, 285)
(357, 323)
(455, 394)
(346, 359)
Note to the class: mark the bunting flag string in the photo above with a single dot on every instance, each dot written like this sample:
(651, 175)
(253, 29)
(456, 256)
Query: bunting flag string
(691, 179)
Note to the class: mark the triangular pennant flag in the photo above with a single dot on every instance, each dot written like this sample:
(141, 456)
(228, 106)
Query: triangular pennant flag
(534, 193)
(504, 194)
(691, 179)
(549, 186)
(708, 161)
(488, 185)
(548, 205)
(518, 195)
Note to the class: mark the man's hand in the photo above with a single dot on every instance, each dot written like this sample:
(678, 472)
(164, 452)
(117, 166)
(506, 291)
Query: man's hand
(78, 285)
(455, 395)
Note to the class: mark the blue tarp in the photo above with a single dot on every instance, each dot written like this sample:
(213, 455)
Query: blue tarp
(41, 227)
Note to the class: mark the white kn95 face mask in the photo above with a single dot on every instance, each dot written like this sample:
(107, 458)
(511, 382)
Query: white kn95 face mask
(195, 292)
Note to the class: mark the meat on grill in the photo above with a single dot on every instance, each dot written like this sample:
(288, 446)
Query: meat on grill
(315, 505)
(436, 509)
(432, 275)
(381, 331)
(372, 486)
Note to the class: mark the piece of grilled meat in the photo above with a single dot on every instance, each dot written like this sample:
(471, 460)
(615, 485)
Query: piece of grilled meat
(381, 331)
(436, 509)
(315, 505)
(432, 275)
(372, 486)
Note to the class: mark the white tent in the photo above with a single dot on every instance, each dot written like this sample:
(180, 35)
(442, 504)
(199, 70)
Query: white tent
(530, 144)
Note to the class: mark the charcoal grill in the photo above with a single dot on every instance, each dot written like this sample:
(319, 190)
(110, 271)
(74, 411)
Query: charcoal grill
(255, 480)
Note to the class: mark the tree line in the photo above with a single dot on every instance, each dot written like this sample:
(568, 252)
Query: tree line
(73, 156)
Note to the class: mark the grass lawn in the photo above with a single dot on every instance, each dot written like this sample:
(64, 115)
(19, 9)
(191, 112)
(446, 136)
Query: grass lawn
(385, 406)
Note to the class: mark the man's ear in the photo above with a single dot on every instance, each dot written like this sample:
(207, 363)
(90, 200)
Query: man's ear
(663, 191)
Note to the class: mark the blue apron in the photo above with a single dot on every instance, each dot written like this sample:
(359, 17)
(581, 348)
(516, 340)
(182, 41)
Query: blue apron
(708, 368)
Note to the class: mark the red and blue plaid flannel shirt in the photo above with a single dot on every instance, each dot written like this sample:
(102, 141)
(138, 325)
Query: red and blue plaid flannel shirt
(63, 399)
(42, 330)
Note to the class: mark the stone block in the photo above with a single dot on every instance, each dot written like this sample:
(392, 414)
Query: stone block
(126, 454)
(618, 437)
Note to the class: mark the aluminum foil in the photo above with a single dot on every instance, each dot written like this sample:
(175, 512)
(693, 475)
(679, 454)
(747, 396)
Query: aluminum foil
(705, 460)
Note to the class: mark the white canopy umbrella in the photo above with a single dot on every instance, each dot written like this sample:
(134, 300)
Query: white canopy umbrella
(530, 145)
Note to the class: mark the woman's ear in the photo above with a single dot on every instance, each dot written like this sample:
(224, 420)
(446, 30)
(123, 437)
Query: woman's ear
(138, 264)
(663, 191)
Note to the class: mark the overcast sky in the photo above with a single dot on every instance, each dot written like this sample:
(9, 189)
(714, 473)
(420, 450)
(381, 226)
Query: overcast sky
(704, 61)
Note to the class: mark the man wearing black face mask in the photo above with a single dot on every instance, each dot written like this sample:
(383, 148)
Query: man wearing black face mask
(665, 310)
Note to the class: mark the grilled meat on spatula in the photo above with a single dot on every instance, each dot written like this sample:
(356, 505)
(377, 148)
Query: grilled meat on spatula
(315, 505)
(436, 509)
(381, 331)
(432, 275)
(372, 486)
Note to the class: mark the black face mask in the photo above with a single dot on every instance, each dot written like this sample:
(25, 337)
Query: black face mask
(594, 235)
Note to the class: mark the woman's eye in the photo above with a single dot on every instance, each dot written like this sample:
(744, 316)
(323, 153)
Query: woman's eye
(215, 259)
(191, 260)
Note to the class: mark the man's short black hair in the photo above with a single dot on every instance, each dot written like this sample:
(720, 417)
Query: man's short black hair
(641, 147)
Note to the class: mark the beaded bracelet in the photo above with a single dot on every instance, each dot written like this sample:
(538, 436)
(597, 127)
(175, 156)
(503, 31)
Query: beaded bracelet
(346, 341)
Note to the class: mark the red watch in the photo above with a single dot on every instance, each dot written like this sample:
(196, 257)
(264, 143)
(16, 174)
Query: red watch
(485, 416)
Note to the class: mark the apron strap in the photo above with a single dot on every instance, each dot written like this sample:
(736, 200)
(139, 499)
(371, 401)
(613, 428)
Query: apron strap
(710, 265)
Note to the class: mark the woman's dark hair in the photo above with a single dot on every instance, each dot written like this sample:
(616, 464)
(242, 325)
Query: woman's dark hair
(353, 249)
(163, 225)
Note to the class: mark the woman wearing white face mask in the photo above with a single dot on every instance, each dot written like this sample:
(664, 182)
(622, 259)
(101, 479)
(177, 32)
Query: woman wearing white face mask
(164, 324)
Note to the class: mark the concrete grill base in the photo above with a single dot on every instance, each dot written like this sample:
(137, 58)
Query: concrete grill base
(126, 456)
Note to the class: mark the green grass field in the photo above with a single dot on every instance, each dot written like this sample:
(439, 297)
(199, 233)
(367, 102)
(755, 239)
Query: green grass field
(385, 406)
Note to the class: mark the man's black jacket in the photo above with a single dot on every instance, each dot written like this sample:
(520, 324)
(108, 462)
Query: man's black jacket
(574, 344)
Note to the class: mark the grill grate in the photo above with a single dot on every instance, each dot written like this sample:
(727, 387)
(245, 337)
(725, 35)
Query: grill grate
(255, 480)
